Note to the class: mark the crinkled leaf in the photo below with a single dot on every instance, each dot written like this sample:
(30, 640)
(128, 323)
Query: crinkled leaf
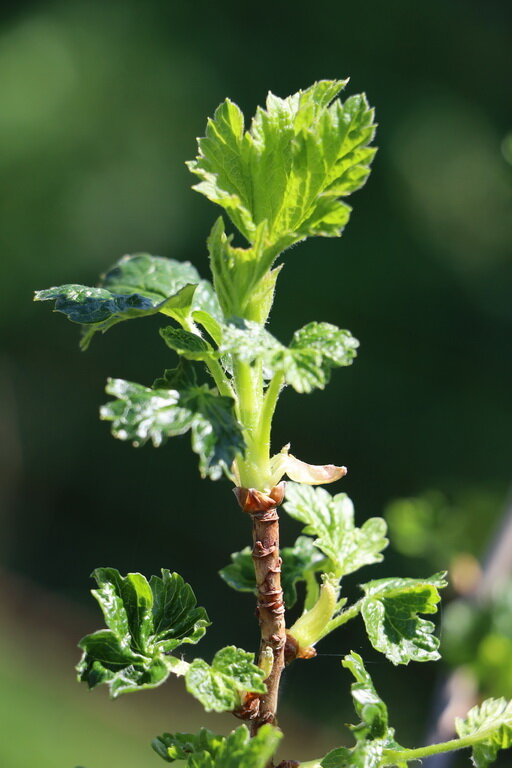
(143, 413)
(205, 750)
(491, 724)
(290, 169)
(331, 520)
(367, 702)
(179, 746)
(366, 754)
(219, 686)
(298, 561)
(146, 622)
(136, 286)
(305, 364)
(188, 345)
(390, 611)
(373, 734)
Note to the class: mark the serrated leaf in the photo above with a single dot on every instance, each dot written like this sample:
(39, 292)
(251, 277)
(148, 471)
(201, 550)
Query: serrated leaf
(142, 413)
(136, 286)
(366, 754)
(390, 611)
(290, 169)
(305, 364)
(373, 734)
(298, 561)
(188, 345)
(146, 622)
(491, 725)
(367, 702)
(205, 750)
(331, 520)
(180, 746)
(219, 686)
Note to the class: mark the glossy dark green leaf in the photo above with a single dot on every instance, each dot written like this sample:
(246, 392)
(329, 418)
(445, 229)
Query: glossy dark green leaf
(391, 609)
(219, 686)
(146, 622)
(188, 345)
(136, 286)
(142, 413)
(298, 561)
(331, 520)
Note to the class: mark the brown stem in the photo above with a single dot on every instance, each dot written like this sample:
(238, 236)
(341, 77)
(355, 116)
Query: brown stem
(270, 611)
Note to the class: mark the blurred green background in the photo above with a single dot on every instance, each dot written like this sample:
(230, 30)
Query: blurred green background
(100, 104)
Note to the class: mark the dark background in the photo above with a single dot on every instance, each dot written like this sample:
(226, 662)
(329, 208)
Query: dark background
(100, 104)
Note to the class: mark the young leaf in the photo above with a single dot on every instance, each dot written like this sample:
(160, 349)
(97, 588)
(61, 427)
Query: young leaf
(305, 364)
(142, 413)
(373, 734)
(390, 611)
(219, 686)
(331, 520)
(206, 750)
(491, 725)
(298, 561)
(188, 345)
(136, 286)
(180, 746)
(146, 622)
(289, 171)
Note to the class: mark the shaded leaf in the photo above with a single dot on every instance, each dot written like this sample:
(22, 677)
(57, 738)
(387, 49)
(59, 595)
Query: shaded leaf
(188, 345)
(390, 612)
(146, 622)
(219, 686)
(298, 560)
(331, 520)
(142, 413)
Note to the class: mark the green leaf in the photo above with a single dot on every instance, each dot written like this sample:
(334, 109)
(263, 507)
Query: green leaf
(491, 724)
(390, 611)
(188, 345)
(219, 686)
(206, 750)
(366, 754)
(298, 561)
(373, 734)
(136, 286)
(305, 364)
(331, 520)
(292, 167)
(146, 621)
(179, 746)
(367, 702)
(143, 413)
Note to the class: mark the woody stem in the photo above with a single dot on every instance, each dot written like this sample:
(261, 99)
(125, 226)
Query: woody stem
(270, 605)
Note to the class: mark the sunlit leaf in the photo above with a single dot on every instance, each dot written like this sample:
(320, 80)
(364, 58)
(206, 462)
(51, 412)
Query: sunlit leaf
(219, 686)
(146, 621)
(390, 611)
(331, 520)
